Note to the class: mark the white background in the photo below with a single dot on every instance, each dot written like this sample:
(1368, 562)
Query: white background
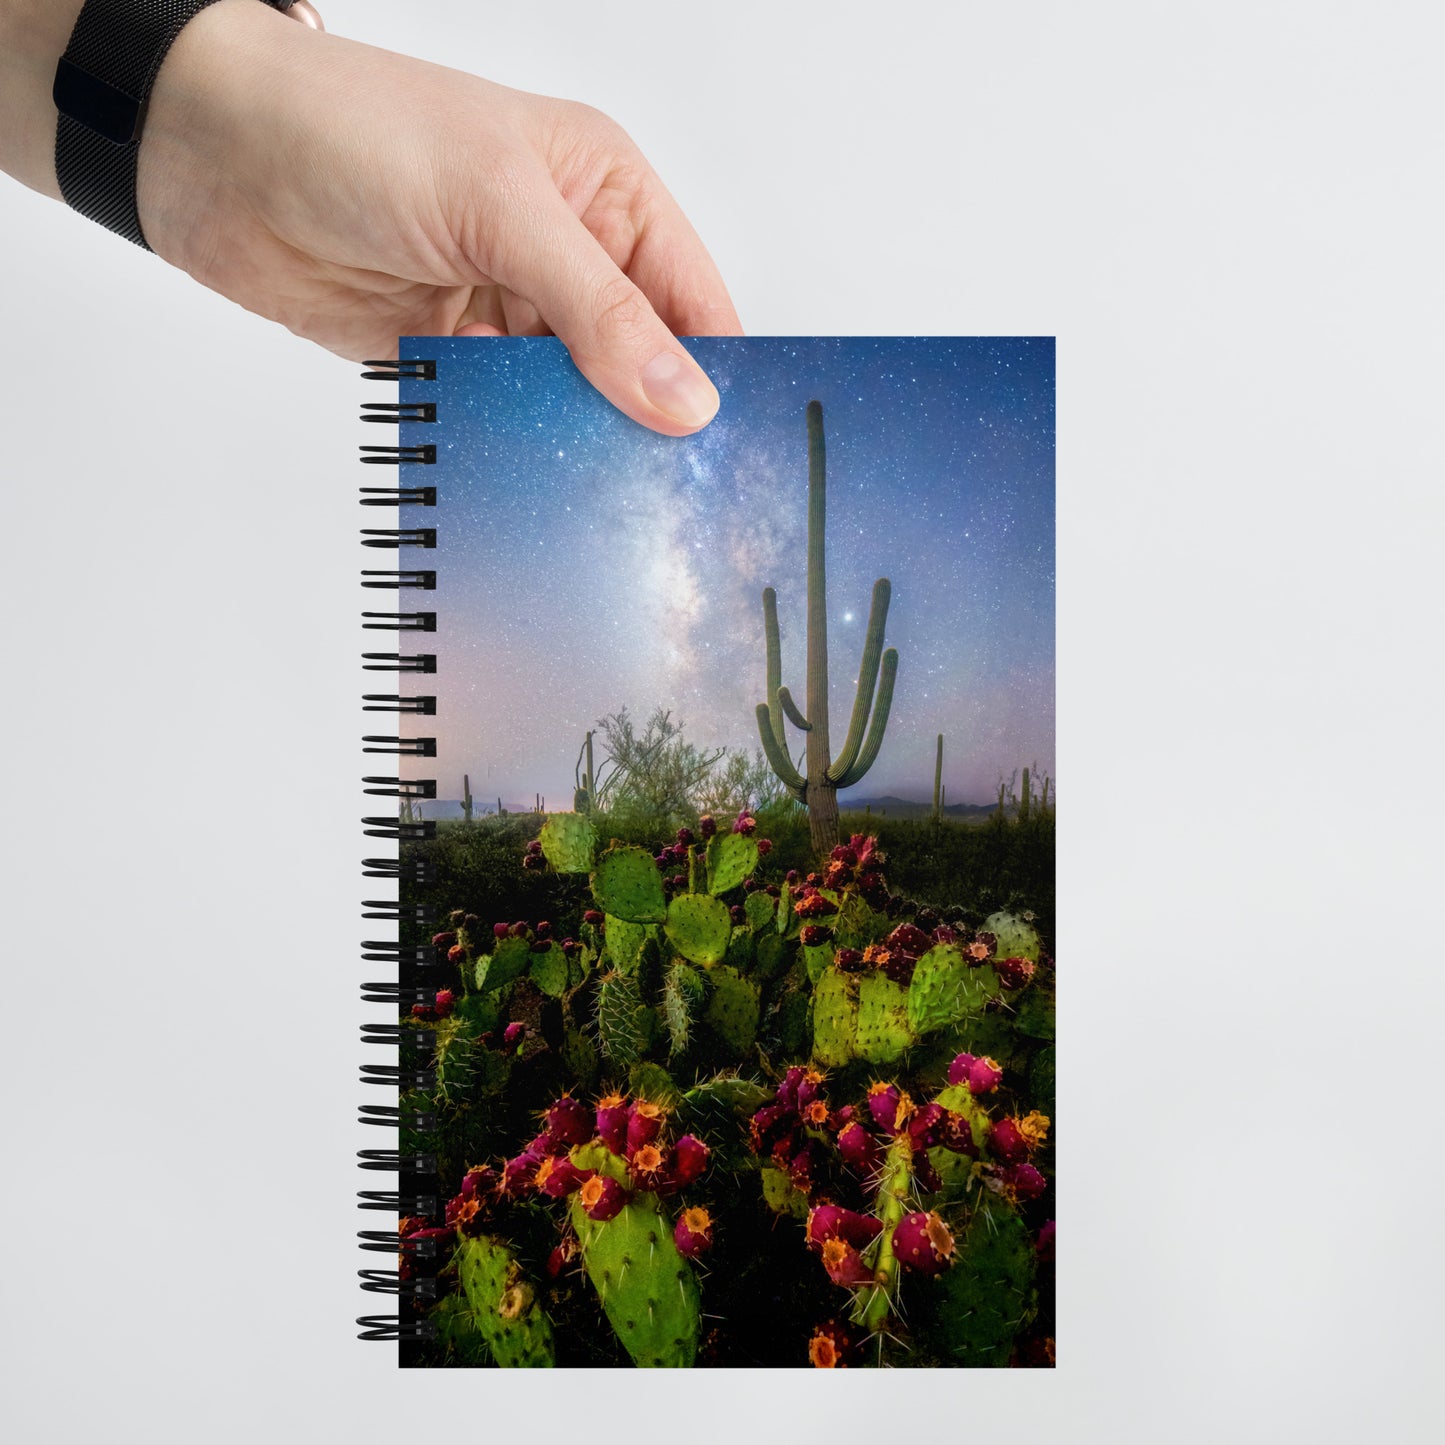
(1226, 213)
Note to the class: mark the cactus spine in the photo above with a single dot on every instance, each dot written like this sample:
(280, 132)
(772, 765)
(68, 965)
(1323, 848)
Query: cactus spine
(825, 774)
(467, 797)
(938, 782)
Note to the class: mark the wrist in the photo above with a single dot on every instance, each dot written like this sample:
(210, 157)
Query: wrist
(33, 37)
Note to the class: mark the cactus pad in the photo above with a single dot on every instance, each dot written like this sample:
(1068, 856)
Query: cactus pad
(817, 958)
(682, 1000)
(883, 1028)
(503, 1306)
(647, 1289)
(699, 927)
(781, 1195)
(835, 1021)
(770, 955)
(628, 885)
(960, 1099)
(1035, 1016)
(731, 857)
(987, 1296)
(510, 959)
(857, 925)
(653, 1083)
(620, 1031)
(568, 842)
(549, 971)
(760, 908)
(732, 1011)
(946, 990)
(622, 943)
(1016, 937)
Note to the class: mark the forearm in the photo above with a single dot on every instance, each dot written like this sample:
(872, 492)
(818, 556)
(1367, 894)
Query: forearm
(33, 36)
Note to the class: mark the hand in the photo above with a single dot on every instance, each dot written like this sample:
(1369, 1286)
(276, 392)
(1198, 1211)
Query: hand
(355, 195)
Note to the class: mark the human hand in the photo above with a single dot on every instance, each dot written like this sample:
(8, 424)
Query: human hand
(356, 195)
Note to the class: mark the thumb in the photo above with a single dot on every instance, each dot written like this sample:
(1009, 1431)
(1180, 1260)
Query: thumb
(616, 339)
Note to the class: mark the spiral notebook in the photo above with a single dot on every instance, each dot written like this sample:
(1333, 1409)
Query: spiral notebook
(717, 1024)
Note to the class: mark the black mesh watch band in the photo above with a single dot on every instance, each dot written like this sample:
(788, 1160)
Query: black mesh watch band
(102, 84)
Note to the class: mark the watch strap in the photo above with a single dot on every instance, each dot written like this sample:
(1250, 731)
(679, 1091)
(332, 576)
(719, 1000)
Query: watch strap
(102, 85)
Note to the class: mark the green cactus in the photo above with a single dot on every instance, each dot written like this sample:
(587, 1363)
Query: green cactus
(871, 1307)
(760, 908)
(1016, 937)
(621, 1033)
(584, 800)
(467, 797)
(1024, 799)
(987, 1296)
(699, 927)
(883, 1028)
(503, 1305)
(627, 885)
(549, 971)
(732, 1008)
(946, 989)
(938, 782)
(647, 1290)
(835, 1020)
(509, 959)
(569, 842)
(622, 943)
(731, 857)
(825, 774)
(683, 995)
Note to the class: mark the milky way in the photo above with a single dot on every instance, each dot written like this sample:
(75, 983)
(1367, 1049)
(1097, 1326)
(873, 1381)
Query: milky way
(586, 564)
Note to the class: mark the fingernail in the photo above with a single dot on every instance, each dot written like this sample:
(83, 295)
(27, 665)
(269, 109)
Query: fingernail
(676, 385)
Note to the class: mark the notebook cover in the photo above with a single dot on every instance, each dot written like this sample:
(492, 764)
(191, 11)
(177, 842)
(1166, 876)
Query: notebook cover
(737, 983)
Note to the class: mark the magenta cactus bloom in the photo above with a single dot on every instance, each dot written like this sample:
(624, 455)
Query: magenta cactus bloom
(765, 846)
(814, 905)
(813, 934)
(594, 917)
(832, 1221)
(1006, 1142)
(791, 877)
(456, 954)
(848, 959)
(518, 929)
(602, 1198)
(557, 1176)
(644, 1123)
(648, 1166)
(533, 861)
(832, 1346)
(858, 1148)
(570, 947)
(693, 1234)
(1014, 972)
(519, 1175)
(923, 1242)
(707, 825)
(845, 1265)
(443, 940)
(501, 930)
(1025, 1181)
(561, 1257)
(787, 1094)
(513, 1034)
(745, 823)
(543, 930)
(444, 1002)
(569, 1121)
(984, 1076)
(479, 1182)
(738, 914)
(611, 1121)
(844, 854)
(924, 1126)
(684, 837)
(810, 1085)
(886, 1104)
(771, 1121)
(909, 940)
(801, 1165)
(690, 1157)
(535, 846)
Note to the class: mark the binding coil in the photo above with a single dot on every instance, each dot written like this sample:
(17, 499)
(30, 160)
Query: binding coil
(408, 998)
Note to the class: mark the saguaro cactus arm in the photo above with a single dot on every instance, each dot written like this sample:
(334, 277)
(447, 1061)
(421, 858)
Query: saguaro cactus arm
(869, 754)
(867, 679)
(780, 700)
(777, 755)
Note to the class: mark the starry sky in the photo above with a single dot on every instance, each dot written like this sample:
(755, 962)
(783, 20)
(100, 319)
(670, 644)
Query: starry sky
(586, 563)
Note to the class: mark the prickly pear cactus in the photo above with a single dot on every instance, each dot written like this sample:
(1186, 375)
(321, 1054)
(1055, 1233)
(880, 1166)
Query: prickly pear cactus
(503, 1305)
(628, 885)
(620, 1033)
(731, 857)
(699, 927)
(622, 942)
(883, 1028)
(549, 971)
(760, 908)
(510, 958)
(683, 995)
(1016, 937)
(647, 1289)
(568, 842)
(732, 1008)
(945, 989)
(987, 1297)
(835, 1021)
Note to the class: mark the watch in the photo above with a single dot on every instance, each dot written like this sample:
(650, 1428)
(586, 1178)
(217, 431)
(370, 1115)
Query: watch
(102, 85)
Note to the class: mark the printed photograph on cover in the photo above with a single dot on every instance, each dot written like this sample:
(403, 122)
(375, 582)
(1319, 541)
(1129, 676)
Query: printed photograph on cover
(738, 1008)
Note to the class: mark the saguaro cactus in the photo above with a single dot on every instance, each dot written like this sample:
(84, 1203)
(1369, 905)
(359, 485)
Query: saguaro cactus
(938, 782)
(826, 774)
(467, 797)
(584, 799)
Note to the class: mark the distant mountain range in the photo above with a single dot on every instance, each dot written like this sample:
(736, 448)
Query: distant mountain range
(888, 806)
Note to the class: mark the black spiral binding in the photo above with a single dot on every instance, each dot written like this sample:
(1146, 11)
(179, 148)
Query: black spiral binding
(413, 1283)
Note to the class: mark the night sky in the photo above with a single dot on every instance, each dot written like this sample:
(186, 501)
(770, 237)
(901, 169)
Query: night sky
(585, 563)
